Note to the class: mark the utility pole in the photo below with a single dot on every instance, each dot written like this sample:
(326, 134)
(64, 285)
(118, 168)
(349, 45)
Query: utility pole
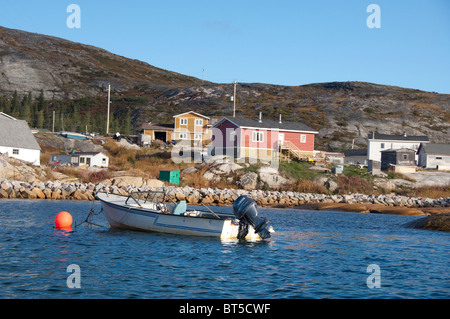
(107, 115)
(53, 124)
(234, 100)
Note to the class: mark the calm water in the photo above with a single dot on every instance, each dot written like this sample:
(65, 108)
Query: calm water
(312, 255)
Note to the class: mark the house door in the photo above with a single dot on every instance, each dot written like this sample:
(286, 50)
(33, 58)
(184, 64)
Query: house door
(88, 161)
(281, 138)
(162, 136)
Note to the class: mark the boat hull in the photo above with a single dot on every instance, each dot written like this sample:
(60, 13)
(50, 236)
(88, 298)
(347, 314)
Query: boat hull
(120, 215)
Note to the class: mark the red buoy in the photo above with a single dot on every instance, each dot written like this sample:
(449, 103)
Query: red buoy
(63, 220)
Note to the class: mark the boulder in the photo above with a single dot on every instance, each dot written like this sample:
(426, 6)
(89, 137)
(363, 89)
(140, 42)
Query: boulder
(248, 181)
(78, 195)
(398, 182)
(210, 176)
(192, 199)
(38, 192)
(384, 183)
(331, 185)
(268, 170)
(3, 193)
(11, 168)
(28, 194)
(271, 176)
(154, 183)
(56, 194)
(321, 180)
(439, 222)
(225, 168)
(127, 180)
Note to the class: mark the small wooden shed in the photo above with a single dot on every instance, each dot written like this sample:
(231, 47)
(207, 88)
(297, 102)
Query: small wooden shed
(402, 156)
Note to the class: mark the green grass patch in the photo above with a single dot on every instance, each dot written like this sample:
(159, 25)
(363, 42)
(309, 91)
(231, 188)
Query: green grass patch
(298, 170)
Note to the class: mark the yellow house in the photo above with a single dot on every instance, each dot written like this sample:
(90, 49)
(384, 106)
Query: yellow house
(192, 126)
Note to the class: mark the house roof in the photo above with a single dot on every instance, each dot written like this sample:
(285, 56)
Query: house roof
(396, 150)
(164, 127)
(435, 149)
(16, 133)
(244, 122)
(9, 117)
(356, 152)
(88, 153)
(403, 137)
(192, 112)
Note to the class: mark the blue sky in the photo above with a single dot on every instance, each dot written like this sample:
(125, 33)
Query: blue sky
(286, 42)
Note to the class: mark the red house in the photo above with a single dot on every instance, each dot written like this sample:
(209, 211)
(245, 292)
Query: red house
(261, 139)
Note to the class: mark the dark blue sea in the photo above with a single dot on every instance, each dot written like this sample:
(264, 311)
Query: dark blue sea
(313, 254)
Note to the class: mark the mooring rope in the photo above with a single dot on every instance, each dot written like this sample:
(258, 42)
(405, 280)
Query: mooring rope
(89, 216)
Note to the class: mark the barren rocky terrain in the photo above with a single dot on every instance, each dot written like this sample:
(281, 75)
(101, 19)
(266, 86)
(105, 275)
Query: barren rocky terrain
(344, 113)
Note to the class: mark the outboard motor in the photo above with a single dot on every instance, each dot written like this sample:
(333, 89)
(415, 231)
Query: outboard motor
(244, 208)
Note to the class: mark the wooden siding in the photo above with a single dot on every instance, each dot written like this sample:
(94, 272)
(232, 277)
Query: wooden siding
(222, 134)
(295, 138)
(247, 145)
(190, 128)
(169, 133)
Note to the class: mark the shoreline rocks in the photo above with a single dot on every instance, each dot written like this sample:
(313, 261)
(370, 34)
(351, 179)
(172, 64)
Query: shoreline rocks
(57, 190)
(439, 222)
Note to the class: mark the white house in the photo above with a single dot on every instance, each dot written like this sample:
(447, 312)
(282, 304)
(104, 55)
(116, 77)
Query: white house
(376, 143)
(434, 156)
(89, 159)
(16, 140)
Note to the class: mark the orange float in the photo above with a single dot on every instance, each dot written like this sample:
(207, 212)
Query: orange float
(63, 220)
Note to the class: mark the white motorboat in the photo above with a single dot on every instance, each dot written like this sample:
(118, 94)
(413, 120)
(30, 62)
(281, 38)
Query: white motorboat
(150, 211)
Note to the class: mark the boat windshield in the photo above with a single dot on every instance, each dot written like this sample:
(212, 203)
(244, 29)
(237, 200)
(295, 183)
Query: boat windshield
(148, 196)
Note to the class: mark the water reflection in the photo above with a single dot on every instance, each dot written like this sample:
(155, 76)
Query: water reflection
(63, 231)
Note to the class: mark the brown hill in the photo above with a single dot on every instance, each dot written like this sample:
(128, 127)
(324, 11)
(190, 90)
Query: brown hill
(342, 112)
(64, 69)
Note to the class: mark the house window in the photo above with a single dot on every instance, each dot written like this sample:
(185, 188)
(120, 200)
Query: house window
(183, 121)
(81, 160)
(198, 122)
(183, 136)
(197, 137)
(405, 157)
(74, 160)
(438, 157)
(303, 138)
(103, 160)
(382, 145)
(258, 137)
(15, 151)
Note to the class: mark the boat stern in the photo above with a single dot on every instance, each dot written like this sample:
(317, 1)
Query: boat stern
(230, 230)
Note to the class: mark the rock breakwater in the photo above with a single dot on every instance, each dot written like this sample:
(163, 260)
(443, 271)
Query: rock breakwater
(57, 190)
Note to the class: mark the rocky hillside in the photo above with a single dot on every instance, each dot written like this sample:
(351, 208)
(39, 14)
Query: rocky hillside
(342, 112)
(64, 69)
